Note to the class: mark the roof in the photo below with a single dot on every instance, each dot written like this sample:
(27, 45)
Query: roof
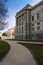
(29, 7)
(39, 3)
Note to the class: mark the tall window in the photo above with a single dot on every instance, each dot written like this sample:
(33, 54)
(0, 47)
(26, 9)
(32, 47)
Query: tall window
(32, 24)
(38, 16)
(17, 30)
(38, 27)
(17, 21)
(38, 23)
(32, 18)
(32, 28)
(22, 31)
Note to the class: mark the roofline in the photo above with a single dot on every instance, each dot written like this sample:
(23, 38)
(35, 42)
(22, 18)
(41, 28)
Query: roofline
(24, 8)
(32, 7)
(39, 3)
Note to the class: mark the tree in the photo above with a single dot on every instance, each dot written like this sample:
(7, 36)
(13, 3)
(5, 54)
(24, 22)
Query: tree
(4, 34)
(3, 14)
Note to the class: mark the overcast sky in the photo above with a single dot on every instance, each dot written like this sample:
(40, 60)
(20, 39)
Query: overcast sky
(14, 6)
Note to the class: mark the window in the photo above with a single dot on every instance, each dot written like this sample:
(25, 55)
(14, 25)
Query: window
(32, 18)
(23, 17)
(37, 16)
(32, 24)
(32, 28)
(38, 27)
(22, 29)
(17, 30)
(17, 21)
(38, 23)
(32, 35)
(20, 20)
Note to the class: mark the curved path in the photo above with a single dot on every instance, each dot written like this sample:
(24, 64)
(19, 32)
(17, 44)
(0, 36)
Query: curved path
(18, 55)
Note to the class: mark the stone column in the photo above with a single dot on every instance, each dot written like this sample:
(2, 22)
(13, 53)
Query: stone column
(28, 25)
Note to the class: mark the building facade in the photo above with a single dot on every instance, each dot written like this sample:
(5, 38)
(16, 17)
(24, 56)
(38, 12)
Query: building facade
(1, 34)
(29, 22)
(10, 33)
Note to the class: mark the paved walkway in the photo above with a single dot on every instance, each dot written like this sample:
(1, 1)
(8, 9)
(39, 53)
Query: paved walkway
(18, 55)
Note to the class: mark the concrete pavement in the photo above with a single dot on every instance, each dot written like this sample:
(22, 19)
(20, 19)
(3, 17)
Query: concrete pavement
(18, 55)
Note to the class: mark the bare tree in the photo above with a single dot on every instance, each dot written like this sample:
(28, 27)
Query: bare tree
(3, 14)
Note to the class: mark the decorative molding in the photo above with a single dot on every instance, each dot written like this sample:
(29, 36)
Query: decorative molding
(21, 14)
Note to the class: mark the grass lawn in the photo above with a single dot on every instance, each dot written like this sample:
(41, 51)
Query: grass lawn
(36, 50)
(4, 48)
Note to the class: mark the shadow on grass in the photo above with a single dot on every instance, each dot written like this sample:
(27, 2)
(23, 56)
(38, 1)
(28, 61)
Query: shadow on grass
(4, 49)
(26, 40)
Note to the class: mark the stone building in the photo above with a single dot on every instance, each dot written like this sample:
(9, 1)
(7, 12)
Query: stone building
(37, 21)
(29, 22)
(1, 34)
(10, 33)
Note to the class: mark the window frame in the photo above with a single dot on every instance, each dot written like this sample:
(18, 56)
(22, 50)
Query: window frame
(33, 29)
(38, 16)
(32, 18)
(38, 27)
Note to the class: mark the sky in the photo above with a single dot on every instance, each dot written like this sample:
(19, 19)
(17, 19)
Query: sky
(13, 7)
